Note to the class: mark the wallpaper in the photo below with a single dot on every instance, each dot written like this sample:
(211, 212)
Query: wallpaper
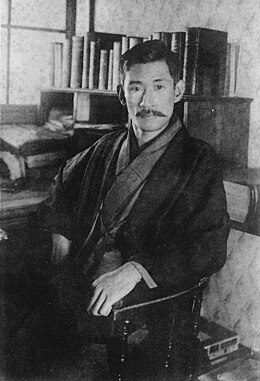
(233, 296)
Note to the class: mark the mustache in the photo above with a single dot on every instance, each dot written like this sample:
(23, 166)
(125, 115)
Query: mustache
(149, 112)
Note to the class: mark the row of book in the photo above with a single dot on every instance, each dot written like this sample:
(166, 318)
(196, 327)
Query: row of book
(90, 61)
(209, 63)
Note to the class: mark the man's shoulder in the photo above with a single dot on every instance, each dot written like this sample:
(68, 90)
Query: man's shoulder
(111, 136)
(199, 147)
(107, 139)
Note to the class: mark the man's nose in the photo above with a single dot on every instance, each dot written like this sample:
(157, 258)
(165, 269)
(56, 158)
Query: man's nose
(147, 99)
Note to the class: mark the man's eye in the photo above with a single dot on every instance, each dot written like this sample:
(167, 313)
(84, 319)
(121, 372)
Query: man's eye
(135, 89)
(159, 87)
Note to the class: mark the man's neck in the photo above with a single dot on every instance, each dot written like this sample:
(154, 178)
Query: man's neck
(144, 136)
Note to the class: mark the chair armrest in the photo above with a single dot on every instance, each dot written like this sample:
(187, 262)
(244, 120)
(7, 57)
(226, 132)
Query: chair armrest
(124, 313)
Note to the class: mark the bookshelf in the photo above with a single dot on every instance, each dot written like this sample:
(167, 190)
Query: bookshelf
(221, 121)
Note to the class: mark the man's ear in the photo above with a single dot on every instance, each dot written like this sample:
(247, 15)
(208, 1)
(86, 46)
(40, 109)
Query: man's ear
(121, 94)
(179, 90)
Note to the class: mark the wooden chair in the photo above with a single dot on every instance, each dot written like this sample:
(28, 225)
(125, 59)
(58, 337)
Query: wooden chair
(125, 318)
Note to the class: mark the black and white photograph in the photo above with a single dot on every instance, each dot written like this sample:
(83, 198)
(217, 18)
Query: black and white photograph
(130, 190)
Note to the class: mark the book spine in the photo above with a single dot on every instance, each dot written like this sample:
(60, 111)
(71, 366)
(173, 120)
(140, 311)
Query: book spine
(190, 67)
(52, 65)
(125, 44)
(116, 61)
(85, 69)
(166, 37)
(103, 70)
(76, 62)
(66, 64)
(233, 63)
(134, 41)
(110, 70)
(178, 47)
(236, 65)
(96, 63)
(227, 72)
(221, 68)
(156, 36)
(58, 64)
(92, 64)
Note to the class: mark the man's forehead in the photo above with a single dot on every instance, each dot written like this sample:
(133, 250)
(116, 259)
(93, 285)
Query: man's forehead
(157, 70)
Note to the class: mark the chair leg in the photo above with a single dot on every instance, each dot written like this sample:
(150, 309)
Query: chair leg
(117, 351)
(170, 344)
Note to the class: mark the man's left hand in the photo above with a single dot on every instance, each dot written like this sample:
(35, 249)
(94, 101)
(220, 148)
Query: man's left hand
(109, 288)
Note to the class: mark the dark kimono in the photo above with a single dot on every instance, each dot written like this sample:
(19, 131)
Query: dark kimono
(178, 226)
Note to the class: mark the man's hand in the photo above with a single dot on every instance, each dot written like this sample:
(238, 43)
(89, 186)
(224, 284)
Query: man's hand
(109, 288)
(60, 248)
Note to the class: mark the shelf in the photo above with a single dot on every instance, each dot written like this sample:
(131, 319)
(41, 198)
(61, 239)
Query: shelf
(79, 90)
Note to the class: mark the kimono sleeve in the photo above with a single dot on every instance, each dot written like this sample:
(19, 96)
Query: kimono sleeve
(57, 213)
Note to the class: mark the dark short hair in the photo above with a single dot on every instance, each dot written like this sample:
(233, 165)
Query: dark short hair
(150, 51)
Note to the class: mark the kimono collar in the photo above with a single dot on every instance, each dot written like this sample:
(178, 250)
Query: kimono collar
(160, 140)
(131, 149)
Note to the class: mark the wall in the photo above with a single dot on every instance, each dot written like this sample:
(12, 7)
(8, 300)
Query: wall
(233, 298)
(240, 18)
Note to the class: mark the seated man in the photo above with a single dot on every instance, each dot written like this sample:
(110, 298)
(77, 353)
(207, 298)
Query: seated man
(144, 207)
(144, 204)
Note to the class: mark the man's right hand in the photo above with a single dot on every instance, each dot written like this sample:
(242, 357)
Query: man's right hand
(60, 247)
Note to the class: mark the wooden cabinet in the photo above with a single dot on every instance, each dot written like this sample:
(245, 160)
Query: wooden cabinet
(223, 122)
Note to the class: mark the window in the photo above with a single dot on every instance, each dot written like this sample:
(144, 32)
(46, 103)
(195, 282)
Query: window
(28, 27)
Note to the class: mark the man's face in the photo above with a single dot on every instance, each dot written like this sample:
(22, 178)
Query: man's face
(150, 96)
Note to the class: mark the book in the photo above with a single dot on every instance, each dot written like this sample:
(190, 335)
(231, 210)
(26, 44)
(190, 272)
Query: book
(66, 63)
(76, 62)
(24, 146)
(92, 62)
(110, 70)
(218, 341)
(31, 139)
(103, 70)
(178, 47)
(81, 107)
(148, 38)
(233, 65)
(227, 71)
(52, 63)
(205, 61)
(85, 68)
(125, 44)
(166, 37)
(116, 61)
(134, 41)
(58, 51)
